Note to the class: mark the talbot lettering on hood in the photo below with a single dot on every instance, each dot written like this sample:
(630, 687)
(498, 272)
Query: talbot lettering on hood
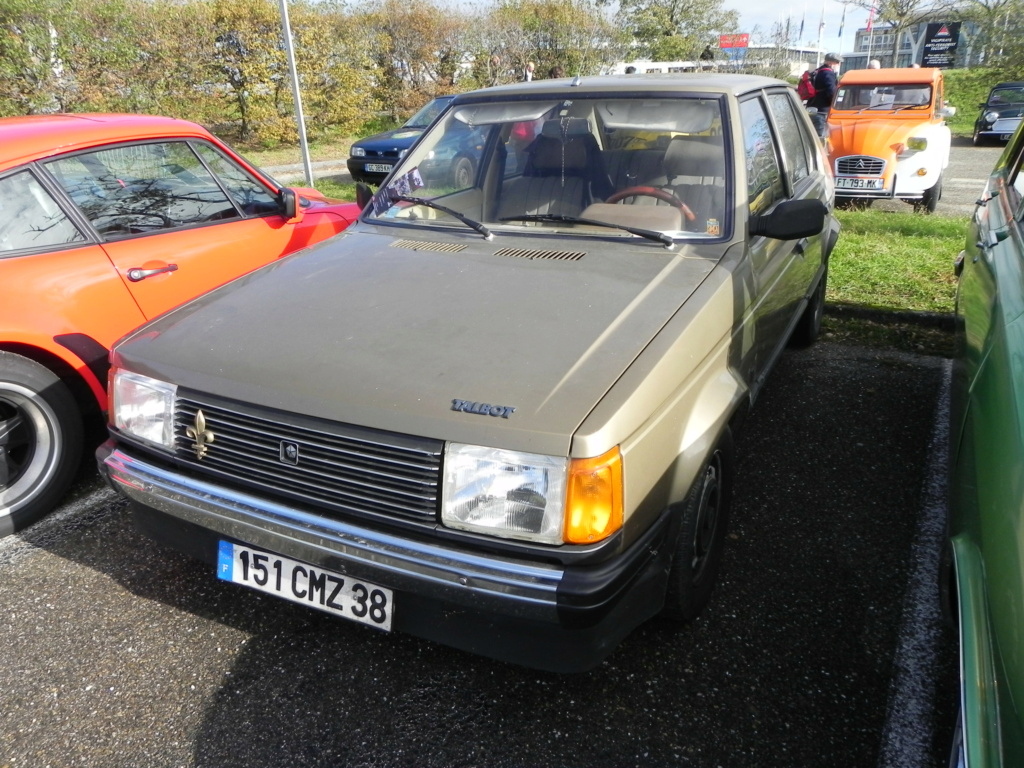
(484, 409)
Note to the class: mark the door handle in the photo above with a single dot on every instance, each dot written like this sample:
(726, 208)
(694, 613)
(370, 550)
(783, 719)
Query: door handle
(801, 246)
(135, 274)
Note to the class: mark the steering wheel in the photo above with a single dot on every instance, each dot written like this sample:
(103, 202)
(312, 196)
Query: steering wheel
(661, 194)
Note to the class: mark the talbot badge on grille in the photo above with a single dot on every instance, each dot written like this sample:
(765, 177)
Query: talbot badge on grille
(202, 436)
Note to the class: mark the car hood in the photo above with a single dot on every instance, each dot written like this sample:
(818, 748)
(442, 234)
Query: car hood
(386, 332)
(874, 137)
(396, 140)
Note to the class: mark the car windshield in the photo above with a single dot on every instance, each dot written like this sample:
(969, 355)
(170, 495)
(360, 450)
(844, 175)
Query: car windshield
(1002, 96)
(623, 166)
(428, 112)
(879, 97)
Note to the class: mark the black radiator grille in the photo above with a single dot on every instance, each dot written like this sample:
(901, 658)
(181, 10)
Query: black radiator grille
(337, 468)
(860, 165)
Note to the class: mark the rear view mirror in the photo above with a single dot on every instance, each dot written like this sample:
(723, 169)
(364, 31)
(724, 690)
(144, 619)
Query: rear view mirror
(291, 209)
(791, 220)
(363, 195)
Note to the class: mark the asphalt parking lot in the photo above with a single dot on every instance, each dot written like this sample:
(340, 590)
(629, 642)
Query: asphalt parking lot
(119, 653)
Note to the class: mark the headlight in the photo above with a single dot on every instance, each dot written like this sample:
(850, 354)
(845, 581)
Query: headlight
(991, 117)
(143, 407)
(917, 144)
(358, 152)
(547, 499)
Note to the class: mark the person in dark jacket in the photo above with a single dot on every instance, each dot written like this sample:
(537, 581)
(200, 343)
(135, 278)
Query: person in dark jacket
(825, 82)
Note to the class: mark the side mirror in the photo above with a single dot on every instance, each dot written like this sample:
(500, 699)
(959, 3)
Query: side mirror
(291, 208)
(946, 111)
(790, 220)
(363, 195)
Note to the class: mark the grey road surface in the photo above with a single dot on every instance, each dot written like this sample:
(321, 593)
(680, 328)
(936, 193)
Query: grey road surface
(120, 653)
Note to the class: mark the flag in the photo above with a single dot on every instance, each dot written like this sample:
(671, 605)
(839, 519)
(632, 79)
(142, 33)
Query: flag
(871, 17)
(842, 23)
(800, 35)
(821, 24)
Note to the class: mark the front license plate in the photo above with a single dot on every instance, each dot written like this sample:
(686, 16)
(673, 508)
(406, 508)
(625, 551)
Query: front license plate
(305, 584)
(378, 168)
(846, 183)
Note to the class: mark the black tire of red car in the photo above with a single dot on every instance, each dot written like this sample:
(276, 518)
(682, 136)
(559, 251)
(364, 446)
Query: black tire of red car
(462, 173)
(40, 441)
(931, 197)
(808, 327)
(702, 528)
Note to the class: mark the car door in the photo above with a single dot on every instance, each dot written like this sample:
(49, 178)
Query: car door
(782, 270)
(178, 218)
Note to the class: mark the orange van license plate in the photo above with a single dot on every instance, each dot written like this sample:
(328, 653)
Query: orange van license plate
(846, 183)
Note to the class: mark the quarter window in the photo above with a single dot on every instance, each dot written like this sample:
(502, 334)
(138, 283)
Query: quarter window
(764, 179)
(136, 189)
(248, 192)
(31, 217)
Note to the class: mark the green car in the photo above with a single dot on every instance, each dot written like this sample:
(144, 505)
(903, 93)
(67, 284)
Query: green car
(986, 526)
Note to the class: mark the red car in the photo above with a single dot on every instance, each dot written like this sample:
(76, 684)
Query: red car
(107, 221)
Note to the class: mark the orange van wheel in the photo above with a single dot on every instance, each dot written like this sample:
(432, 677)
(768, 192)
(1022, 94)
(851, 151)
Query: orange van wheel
(40, 441)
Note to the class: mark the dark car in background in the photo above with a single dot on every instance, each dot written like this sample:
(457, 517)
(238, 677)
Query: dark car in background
(371, 159)
(1000, 114)
(984, 560)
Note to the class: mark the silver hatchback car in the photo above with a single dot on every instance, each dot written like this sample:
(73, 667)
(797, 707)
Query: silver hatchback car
(499, 413)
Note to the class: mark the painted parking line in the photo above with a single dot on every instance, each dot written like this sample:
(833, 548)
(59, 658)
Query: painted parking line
(907, 737)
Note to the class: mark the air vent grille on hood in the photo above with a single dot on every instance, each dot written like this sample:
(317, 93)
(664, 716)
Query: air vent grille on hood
(524, 253)
(421, 245)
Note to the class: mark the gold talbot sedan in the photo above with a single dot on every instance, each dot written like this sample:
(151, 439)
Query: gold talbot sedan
(498, 415)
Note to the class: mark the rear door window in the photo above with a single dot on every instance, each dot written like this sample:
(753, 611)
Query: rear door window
(31, 218)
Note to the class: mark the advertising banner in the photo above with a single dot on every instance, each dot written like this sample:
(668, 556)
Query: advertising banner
(733, 41)
(940, 42)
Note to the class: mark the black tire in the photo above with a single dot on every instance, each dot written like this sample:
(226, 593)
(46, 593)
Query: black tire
(930, 200)
(698, 552)
(462, 173)
(40, 441)
(808, 327)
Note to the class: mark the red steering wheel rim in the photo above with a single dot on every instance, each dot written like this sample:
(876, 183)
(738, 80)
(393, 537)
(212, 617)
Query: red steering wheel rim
(661, 194)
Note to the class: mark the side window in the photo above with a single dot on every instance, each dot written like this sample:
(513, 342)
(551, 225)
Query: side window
(31, 217)
(248, 192)
(792, 137)
(764, 179)
(141, 188)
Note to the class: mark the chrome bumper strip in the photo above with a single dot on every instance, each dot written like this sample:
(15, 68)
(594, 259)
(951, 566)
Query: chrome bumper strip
(511, 587)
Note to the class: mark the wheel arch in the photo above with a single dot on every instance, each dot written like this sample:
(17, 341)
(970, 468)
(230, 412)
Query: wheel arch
(86, 387)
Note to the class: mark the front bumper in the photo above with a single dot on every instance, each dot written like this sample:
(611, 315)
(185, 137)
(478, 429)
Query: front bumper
(544, 615)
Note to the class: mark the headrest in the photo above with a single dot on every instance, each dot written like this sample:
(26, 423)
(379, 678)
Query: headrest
(566, 126)
(554, 156)
(694, 156)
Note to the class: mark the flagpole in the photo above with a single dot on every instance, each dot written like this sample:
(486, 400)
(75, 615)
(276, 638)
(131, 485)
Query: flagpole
(821, 31)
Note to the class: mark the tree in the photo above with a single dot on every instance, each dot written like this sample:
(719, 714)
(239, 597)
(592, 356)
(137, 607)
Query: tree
(670, 30)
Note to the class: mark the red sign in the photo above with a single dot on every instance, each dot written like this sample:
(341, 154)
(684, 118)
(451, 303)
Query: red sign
(733, 41)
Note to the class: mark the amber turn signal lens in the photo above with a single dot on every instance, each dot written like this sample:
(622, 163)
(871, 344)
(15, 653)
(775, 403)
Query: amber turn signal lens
(593, 509)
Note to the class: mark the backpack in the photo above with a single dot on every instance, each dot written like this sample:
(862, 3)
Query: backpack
(805, 88)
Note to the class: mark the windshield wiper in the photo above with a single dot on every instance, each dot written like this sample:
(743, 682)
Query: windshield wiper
(444, 209)
(650, 234)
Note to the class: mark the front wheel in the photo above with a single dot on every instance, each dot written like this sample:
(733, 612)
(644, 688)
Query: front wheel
(698, 552)
(808, 327)
(462, 173)
(40, 441)
(931, 197)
